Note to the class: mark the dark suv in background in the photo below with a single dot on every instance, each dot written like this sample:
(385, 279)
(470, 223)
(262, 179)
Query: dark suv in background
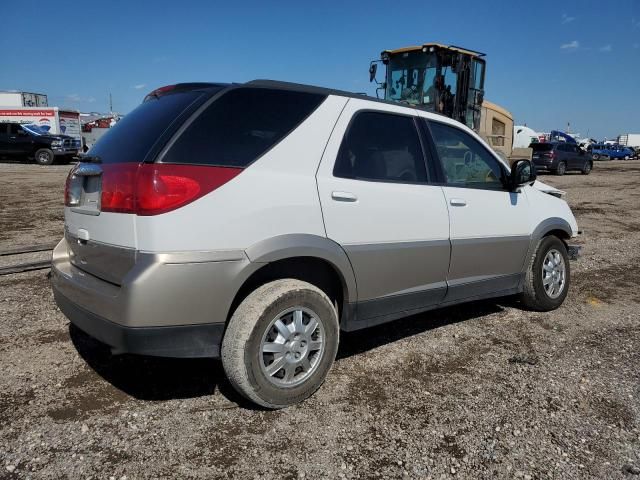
(560, 157)
(26, 141)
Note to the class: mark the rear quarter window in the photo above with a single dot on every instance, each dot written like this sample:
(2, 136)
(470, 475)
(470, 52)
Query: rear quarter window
(241, 126)
(133, 137)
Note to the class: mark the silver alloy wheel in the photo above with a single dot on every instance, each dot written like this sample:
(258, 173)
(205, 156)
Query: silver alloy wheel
(43, 157)
(292, 347)
(553, 273)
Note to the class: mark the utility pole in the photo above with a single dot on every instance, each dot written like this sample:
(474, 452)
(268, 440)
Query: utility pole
(110, 103)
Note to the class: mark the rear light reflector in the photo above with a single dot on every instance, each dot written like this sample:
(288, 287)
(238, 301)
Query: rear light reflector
(155, 188)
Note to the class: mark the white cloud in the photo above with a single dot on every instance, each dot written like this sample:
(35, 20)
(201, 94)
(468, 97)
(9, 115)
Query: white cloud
(605, 48)
(139, 86)
(567, 19)
(571, 45)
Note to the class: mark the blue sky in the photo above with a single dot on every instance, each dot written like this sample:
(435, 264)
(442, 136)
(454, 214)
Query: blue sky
(549, 62)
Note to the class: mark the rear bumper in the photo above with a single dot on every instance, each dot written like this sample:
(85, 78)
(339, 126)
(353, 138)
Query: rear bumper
(65, 151)
(183, 341)
(545, 165)
(166, 304)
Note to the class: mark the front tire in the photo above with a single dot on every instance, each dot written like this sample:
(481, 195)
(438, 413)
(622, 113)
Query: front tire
(547, 277)
(281, 343)
(44, 156)
(562, 168)
(586, 170)
(596, 156)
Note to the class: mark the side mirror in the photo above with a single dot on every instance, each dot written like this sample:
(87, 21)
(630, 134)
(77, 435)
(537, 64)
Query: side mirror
(373, 69)
(522, 172)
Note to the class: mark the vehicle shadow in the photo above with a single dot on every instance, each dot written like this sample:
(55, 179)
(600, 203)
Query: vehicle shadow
(157, 379)
(354, 343)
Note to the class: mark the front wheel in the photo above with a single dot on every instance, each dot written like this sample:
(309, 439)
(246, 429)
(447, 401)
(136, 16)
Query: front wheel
(280, 343)
(626, 157)
(44, 156)
(596, 156)
(586, 170)
(562, 168)
(548, 276)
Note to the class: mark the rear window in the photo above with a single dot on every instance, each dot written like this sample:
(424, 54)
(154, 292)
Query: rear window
(541, 147)
(241, 125)
(133, 137)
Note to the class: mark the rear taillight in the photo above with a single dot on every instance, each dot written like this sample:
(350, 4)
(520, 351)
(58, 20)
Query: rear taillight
(154, 188)
(550, 154)
(72, 189)
(67, 184)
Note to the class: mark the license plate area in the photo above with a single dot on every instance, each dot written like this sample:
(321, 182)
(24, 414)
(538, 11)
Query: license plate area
(85, 189)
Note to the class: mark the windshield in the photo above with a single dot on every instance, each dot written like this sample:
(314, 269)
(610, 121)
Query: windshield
(410, 75)
(35, 129)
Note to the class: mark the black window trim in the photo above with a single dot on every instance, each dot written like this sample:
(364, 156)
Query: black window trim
(385, 112)
(443, 178)
(159, 158)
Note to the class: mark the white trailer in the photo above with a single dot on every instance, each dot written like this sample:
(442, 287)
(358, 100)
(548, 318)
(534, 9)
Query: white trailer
(51, 120)
(629, 140)
(23, 99)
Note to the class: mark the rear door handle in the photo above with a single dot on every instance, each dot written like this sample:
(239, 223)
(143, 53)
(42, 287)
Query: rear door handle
(458, 202)
(344, 197)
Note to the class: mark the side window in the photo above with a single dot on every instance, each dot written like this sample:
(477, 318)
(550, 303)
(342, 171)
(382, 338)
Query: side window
(498, 130)
(383, 147)
(14, 128)
(466, 162)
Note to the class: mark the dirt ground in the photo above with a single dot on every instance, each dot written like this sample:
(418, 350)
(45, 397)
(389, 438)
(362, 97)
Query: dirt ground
(484, 390)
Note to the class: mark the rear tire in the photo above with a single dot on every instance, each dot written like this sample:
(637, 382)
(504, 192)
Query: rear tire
(268, 331)
(44, 156)
(586, 170)
(626, 157)
(596, 156)
(548, 276)
(562, 168)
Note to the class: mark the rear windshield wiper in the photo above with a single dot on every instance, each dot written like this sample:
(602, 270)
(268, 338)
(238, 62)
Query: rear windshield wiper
(90, 158)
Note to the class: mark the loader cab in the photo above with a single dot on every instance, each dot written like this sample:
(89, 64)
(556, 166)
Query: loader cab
(441, 79)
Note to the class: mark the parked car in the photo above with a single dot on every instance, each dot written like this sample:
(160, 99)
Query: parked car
(559, 158)
(254, 222)
(611, 152)
(29, 142)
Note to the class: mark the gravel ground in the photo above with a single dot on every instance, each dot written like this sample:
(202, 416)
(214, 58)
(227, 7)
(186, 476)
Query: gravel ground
(483, 390)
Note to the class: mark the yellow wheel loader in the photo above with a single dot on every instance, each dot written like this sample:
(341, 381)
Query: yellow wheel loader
(448, 80)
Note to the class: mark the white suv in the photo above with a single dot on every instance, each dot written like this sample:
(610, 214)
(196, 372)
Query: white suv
(254, 222)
